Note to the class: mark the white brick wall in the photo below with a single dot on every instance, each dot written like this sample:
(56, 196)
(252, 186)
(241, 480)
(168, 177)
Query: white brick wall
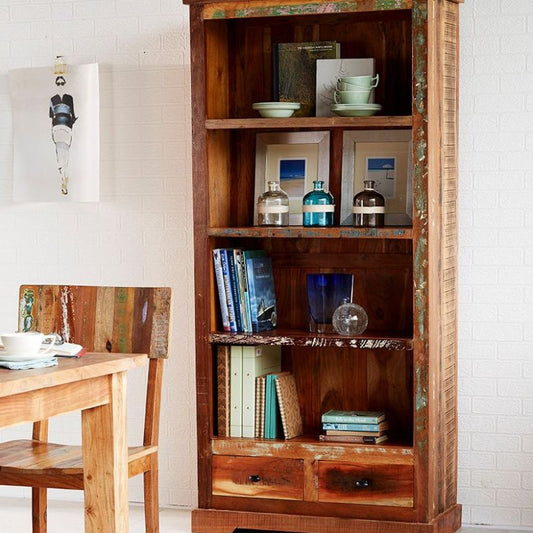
(141, 232)
(496, 274)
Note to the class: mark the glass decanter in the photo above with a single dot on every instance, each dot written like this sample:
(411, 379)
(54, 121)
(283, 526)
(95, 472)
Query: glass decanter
(349, 319)
(318, 206)
(369, 207)
(273, 206)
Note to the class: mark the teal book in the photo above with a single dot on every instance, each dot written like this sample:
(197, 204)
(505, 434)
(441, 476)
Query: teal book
(353, 427)
(353, 417)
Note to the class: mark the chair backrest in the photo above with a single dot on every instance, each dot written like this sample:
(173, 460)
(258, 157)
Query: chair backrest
(105, 319)
(102, 319)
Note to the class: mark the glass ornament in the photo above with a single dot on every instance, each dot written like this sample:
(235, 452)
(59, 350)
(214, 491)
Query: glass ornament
(349, 319)
(369, 207)
(273, 206)
(318, 206)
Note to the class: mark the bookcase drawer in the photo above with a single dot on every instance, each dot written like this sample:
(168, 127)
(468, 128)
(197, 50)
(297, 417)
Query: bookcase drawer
(258, 477)
(366, 484)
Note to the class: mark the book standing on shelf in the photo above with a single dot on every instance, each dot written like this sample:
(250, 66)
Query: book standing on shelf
(261, 292)
(295, 72)
(289, 407)
(256, 361)
(223, 391)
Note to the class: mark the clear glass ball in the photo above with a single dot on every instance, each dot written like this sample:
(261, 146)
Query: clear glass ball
(349, 319)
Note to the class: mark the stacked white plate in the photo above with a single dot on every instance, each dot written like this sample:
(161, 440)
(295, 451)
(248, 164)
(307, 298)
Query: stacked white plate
(276, 109)
(355, 110)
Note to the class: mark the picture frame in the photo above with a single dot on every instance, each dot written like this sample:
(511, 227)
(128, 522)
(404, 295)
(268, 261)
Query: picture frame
(295, 160)
(385, 157)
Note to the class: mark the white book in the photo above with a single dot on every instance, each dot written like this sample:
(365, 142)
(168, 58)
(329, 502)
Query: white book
(327, 73)
(235, 390)
(256, 361)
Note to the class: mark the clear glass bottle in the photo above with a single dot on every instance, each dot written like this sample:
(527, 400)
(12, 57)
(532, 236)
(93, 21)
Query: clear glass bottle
(318, 206)
(369, 207)
(273, 206)
(349, 319)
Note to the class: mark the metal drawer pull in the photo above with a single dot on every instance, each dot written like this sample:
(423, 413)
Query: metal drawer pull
(254, 478)
(362, 483)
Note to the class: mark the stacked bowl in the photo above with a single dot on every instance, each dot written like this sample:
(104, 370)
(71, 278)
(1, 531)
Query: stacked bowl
(352, 96)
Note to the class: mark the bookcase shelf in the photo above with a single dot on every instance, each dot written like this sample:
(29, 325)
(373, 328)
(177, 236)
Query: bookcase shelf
(404, 365)
(303, 123)
(301, 232)
(313, 340)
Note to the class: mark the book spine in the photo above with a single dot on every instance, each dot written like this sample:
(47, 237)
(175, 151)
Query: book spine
(249, 265)
(221, 291)
(236, 391)
(349, 419)
(351, 427)
(249, 370)
(223, 391)
(243, 290)
(281, 408)
(235, 292)
(227, 290)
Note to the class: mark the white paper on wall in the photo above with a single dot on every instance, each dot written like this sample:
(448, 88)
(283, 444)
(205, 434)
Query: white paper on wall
(56, 137)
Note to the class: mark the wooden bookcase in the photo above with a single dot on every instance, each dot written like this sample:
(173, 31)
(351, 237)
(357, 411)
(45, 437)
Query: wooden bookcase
(405, 277)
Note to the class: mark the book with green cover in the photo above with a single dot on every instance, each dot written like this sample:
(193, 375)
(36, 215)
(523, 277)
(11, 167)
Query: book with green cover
(353, 417)
(295, 72)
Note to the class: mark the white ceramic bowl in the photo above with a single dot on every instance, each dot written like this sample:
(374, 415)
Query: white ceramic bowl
(276, 109)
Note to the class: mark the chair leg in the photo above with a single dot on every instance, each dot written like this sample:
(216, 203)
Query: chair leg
(38, 510)
(151, 497)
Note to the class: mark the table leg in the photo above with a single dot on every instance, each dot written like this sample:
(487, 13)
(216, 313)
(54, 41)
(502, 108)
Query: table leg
(105, 462)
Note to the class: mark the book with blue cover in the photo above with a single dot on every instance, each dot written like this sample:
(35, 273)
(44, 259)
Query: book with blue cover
(353, 417)
(355, 427)
(261, 293)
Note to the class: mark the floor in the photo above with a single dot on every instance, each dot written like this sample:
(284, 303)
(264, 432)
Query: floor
(67, 517)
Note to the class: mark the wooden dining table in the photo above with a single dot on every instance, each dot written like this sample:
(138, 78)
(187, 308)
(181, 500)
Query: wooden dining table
(94, 384)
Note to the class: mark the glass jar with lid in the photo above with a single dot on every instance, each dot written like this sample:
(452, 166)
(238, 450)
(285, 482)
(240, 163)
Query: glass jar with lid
(369, 207)
(318, 206)
(273, 206)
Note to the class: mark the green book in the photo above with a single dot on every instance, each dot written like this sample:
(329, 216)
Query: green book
(295, 72)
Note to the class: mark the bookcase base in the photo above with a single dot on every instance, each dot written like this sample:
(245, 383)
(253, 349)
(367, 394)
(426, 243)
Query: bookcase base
(218, 521)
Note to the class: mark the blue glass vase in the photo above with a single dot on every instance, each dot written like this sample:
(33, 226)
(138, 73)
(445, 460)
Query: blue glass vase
(325, 292)
(318, 206)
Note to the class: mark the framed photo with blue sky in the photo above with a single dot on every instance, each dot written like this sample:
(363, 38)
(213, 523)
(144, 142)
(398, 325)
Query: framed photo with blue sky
(295, 160)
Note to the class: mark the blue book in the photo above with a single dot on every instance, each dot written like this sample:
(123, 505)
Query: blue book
(235, 292)
(353, 417)
(227, 289)
(221, 290)
(261, 293)
(353, 427)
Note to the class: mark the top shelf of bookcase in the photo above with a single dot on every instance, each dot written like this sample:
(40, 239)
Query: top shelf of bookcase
(374, 122)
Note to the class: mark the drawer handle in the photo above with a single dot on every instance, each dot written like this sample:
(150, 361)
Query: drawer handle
(254, 478)
(362, 483)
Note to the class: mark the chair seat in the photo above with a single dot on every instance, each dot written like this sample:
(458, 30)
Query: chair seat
(57, 461)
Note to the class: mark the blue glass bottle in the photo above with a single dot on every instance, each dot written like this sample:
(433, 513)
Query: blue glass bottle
(318, 206)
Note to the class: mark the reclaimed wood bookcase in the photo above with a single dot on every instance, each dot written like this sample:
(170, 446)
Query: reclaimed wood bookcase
(405, 277)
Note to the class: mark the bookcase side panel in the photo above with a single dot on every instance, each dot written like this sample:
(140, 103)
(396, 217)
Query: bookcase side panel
(443, 255)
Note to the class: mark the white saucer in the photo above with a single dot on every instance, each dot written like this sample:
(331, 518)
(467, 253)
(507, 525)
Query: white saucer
(355, 110)
(4, 356)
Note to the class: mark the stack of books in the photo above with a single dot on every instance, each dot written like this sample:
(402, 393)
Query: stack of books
(365, 427)
(245, 290)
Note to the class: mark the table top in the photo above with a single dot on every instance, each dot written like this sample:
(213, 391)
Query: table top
(69, 369)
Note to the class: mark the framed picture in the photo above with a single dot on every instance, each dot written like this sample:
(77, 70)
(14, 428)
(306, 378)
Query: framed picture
(295, 159)
(385, 158)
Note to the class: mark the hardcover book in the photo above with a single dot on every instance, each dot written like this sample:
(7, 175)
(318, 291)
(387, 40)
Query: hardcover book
(354, 439)
(256, 361)
(355, 427)
(358, 417)
(223, 302)
(289, 407)
(236, 391)
(224, 261)
(260, 384)
(295, 72)
(223, 391)
(261, 293)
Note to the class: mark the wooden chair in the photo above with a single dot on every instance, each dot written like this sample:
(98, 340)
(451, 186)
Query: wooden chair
(102, 319)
